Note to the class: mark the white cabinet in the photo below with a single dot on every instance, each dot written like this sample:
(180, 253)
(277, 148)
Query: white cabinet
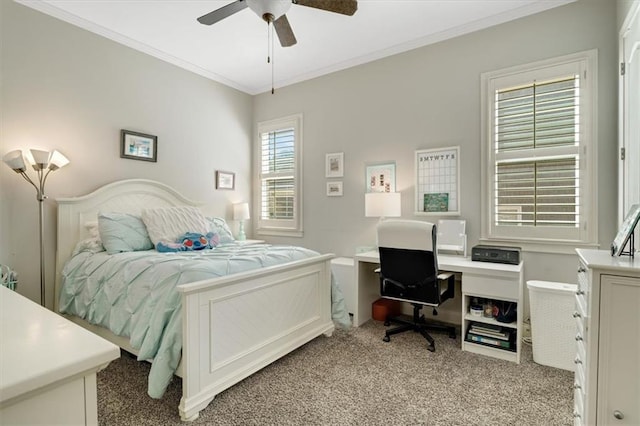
(48, 366)
(502, 284)
(607, 379)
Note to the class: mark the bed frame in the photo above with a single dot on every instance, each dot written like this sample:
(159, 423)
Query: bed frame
(232, 326)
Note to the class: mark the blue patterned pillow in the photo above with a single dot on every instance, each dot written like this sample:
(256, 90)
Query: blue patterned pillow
(121, 232)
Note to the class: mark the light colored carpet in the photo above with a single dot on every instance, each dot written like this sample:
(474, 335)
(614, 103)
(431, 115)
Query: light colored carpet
(354, 378)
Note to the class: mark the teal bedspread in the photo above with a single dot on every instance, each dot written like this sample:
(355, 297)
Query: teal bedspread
(134, 295)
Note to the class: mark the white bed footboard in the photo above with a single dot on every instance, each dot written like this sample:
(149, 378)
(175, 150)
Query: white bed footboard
(236, 325)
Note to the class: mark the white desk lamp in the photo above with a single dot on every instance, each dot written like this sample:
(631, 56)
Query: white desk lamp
(43, 162)
(382, 204)
(241, 213)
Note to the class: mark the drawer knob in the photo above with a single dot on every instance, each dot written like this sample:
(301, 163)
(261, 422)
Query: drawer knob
(618, 415)
(576, 314)
(576, 414)
(580, 292)
(577, 386)
(581, 270)
(577, 361)
(578, 337)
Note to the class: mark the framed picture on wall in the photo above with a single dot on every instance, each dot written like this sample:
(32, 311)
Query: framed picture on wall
(380, 177)
(334, 165)
(225, 180)
(138, 146)
(334, 189)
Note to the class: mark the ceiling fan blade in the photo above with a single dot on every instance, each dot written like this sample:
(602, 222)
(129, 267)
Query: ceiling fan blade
(224, 12)
(345, 7)
(284, 31)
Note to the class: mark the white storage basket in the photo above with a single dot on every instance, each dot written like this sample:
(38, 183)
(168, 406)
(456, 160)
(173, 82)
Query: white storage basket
(553, 328)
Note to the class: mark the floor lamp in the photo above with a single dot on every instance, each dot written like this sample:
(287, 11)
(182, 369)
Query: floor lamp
(43, 162)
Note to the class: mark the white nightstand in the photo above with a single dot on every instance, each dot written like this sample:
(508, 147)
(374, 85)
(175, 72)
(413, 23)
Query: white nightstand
(249, 242)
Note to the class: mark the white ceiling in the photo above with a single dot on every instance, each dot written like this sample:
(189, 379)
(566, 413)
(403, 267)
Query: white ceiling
(234, 50)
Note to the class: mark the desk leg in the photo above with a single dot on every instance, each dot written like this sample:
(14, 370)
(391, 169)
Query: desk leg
(368, 289)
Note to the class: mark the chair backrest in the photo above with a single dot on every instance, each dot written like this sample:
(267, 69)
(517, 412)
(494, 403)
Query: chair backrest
(408, 261)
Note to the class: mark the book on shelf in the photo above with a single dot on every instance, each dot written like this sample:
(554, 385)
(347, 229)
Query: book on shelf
(503, 334)
(489, 341)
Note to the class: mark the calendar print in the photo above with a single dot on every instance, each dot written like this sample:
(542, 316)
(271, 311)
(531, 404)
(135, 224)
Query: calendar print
(437, 181)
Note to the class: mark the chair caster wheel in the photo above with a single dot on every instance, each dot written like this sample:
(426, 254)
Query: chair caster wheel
(386, 339)
(431, 348)
(387, 323)
(452, 335)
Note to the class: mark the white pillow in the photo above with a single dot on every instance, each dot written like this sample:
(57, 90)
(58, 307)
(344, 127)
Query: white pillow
(168, 223)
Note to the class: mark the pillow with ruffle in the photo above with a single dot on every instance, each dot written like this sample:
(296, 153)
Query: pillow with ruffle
(169, 223)
(219, 226)
(123, 232)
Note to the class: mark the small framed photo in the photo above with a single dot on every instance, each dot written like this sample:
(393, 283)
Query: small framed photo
(225, 180)
(334, 189)
(380, 177)
(334, 165)
(138, 146)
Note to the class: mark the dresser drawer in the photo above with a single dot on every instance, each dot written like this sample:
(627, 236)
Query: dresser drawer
(498, 288)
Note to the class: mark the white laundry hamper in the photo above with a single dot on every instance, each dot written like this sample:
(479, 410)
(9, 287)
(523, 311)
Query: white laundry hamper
(553, 328)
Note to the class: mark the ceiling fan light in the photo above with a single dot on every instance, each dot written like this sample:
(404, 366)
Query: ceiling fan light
(276, 8)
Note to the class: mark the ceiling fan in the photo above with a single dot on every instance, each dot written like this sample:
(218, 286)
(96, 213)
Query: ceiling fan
(273, 12)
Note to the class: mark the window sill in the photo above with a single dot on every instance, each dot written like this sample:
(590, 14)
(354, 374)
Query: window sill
(280, 232)
(568, 247)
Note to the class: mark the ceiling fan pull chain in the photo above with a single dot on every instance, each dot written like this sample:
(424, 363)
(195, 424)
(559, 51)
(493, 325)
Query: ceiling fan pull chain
(273, 60)
(269, 43)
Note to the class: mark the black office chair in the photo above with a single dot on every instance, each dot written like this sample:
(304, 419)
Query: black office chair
(409, 273)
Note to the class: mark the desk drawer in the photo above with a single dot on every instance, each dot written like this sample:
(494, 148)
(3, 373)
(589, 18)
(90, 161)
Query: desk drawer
(498, 288)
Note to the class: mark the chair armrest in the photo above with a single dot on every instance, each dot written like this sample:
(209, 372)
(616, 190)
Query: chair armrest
(445, 275)
(377, 270)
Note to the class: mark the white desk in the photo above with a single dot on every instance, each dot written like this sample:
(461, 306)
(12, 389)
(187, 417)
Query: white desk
(48, 365)
(479, 279)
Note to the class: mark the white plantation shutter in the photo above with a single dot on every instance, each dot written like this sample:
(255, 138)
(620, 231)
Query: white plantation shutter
(539, 132)
(528, 119)
(279, 182)
(278, 171)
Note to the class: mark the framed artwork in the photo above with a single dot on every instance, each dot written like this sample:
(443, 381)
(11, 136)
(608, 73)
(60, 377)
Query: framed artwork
(438, 181)
(334, 165)
(334, 189)
(626, 232)
(380, 177)
(225, 180)
(138, 146)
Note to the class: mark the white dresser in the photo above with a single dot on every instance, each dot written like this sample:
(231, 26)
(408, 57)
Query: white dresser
(48, 366)
(607, 378)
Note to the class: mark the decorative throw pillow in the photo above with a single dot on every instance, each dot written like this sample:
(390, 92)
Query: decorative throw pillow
(122, 232)
(190, 241)
(219, 226)
(169, 223)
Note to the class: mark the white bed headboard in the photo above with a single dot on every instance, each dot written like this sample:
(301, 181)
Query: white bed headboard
(124, 196)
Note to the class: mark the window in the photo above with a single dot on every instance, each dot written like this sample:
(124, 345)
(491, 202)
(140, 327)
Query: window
(279, 177)
(539, 171)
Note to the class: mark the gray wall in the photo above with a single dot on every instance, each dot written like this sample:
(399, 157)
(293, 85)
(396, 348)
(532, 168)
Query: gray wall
(68, 89)
(428, 98)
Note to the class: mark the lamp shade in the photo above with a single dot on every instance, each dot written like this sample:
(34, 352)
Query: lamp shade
(241, 211)
(57, 160)
(15, 160)
(382, 204)
(39, 159)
